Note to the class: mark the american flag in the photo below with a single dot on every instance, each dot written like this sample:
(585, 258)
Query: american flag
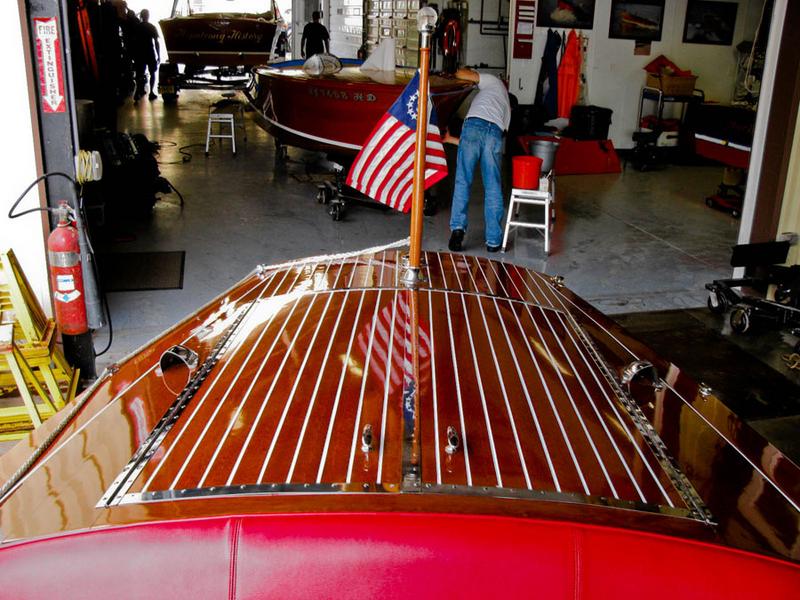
(384, 168)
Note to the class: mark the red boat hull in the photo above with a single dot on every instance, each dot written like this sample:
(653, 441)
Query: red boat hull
(218, 39)
(337, 113)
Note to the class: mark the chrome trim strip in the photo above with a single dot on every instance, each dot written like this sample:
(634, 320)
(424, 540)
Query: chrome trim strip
(274, 489)
(586, 393)
(456, 378)
(568, 393)
(309, 136)
(645, 460)
(141, 457)
(200, 403)
(500, 374)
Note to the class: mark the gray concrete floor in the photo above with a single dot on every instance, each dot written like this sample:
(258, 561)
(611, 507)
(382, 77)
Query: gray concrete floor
(629, 242)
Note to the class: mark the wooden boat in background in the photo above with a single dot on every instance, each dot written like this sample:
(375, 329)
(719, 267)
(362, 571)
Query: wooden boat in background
(336, 113)
(268, 446)
(219, 39)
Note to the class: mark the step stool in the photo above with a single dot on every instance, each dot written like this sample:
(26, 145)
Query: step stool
(543, 197)
(222, 119)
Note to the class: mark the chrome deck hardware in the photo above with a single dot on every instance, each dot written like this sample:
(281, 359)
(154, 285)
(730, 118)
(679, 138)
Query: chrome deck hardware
(641, 368)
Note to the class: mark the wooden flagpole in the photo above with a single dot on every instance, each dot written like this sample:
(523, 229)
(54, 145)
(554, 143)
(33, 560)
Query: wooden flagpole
(426, 19)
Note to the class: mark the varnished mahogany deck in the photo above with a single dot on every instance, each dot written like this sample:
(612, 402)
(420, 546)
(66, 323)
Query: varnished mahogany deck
(303, 358)
(320, 357)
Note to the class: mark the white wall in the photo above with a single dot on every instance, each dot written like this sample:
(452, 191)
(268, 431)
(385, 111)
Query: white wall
(25, 235)
(484, 49)
(615, 76)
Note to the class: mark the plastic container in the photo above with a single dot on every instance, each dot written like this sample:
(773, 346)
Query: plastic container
(546, 150)
(525, 172)
(590, 122)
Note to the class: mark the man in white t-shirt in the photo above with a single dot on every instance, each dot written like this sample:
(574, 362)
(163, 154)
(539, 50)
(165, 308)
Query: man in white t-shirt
(481, 142)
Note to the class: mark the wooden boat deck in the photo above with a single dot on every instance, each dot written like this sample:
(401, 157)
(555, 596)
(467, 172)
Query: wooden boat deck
(319, 358)
(300, 403)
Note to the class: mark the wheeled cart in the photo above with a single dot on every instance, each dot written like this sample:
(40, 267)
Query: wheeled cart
(747, 297)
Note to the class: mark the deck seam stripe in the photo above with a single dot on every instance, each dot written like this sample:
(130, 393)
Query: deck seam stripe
(322, 370)
(589, 398)
(276, 375)
(572, 403)
(390, 355)
(500, 375)
(457, 379)
(479, 380)
(645, 460)
(434, 391)
(546, 388)
(232, 421)
(290, 399)
(185, 426)
(364, 375)
(179, 435)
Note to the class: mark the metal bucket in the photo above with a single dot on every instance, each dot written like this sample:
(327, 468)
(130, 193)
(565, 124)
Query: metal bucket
(546, 150)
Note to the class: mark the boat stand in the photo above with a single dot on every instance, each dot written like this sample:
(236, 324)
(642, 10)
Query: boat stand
(338, 196)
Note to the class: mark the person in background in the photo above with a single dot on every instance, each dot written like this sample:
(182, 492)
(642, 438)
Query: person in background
(481, 142)
(147, 55)
(315, 38)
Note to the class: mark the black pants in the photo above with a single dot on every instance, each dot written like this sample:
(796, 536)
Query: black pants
(141, 67)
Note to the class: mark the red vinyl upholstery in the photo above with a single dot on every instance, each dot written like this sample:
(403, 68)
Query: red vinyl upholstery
(383, 555)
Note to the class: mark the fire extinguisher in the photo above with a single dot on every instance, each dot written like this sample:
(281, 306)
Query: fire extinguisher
(66, 278)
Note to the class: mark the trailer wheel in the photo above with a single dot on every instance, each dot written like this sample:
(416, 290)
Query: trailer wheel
(740, 320)
(717, 303)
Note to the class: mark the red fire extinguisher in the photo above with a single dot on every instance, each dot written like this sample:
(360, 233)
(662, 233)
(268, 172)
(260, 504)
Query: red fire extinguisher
(66, 278)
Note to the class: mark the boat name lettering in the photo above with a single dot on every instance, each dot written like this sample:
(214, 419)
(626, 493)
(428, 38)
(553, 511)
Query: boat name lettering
(222, 36)
(341, 95)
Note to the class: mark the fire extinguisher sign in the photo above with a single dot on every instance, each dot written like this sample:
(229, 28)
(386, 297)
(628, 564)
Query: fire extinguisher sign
(48, 57)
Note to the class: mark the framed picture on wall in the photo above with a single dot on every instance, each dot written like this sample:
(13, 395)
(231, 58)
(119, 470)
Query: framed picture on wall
(640, 20)
(710, 22)
(572, 14)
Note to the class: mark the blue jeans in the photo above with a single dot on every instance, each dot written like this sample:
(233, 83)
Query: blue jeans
(480, 141)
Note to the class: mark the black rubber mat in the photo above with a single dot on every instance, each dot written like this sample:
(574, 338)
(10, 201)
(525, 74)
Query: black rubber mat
(138, 271)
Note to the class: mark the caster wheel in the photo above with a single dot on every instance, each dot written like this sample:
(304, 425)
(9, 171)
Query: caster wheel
(336, 212)
(206, 154)
(170, 98)
(740, 320)
(735, 214)
(321, 196)
(716, 303)
(710, 203)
